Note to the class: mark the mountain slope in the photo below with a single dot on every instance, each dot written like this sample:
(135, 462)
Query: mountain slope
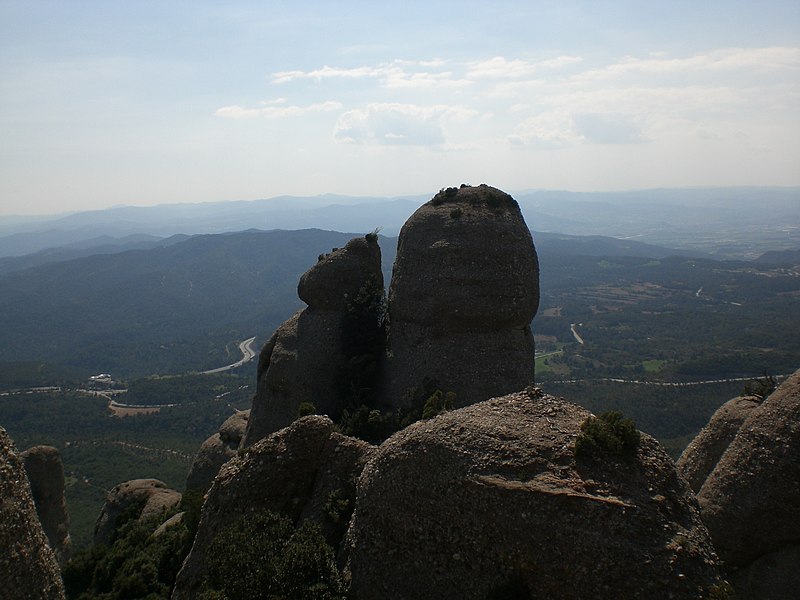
(176, 307)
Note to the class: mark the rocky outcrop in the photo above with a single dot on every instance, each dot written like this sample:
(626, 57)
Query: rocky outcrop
(464, 290)
(749, 500)
(489, 501)
(702, 454)
(295, 472)
(46, 475)
(28, 566)
(216, 451)
(306, 358)
(140, 499)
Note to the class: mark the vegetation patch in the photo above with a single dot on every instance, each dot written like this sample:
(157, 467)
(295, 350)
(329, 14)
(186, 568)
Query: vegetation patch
(438, 403)
(609, 434)
(282, 562)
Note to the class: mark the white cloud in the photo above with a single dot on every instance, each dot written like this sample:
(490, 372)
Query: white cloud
(501, 68)
(276, 110)
(394, 74)
(608, 129)
(560, 129)
(720, 61)
(546, 130)
(394, 124)
(327, 72)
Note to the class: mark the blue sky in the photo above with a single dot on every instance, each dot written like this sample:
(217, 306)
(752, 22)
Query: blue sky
(111, 102)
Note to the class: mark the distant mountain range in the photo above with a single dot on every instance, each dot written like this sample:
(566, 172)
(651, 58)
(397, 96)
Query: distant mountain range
(725, 222)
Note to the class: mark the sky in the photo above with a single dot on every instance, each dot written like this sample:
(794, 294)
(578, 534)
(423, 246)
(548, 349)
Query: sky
(113, 102)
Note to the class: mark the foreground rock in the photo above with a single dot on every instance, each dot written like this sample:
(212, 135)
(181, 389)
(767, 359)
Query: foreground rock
(294, 472)
(489, 501)
(145, 497)
(464, 290)
(216, 451)
(749, 499)
(46, 474)
(28, 566)
(306, 358)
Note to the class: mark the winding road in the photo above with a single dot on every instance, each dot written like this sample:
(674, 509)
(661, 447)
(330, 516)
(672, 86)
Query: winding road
(575, 334)
(248, 353)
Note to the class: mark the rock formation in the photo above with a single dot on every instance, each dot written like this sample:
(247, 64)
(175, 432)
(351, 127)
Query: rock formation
(305, 359)
(46, 475)
(464, 290)
(705, 450)
(749, 499)
(293, 472)
(216, 451)
(489, 501)
(28, 566)
(144, 497)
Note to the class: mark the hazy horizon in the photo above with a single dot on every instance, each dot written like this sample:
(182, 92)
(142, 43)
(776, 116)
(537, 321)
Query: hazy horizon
(160, 103)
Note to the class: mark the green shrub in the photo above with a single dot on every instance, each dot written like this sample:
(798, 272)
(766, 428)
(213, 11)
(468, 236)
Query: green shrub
(456, 213)
(610, 433)
(761, 387)
(305, 409)
(281, 562)
(438, 403)
(136, 565)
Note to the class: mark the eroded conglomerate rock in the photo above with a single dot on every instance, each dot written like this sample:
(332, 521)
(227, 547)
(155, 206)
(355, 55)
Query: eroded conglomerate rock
(216, 451)
(28, 566)
(464, 290)
(145, 497)
(46, 475)
(749, 500)
(306, 358)
(705, 450)
(489, 499)
(294, 472)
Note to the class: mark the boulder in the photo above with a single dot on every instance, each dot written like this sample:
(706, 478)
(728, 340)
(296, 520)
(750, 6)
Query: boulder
(295, 471)
(489, 501)
(772, 576)
(140, 499)
(464, 289)
(749, 500)
(306, 359)
(216, 451)
(46, 475)
(28, 566)
(701, 456)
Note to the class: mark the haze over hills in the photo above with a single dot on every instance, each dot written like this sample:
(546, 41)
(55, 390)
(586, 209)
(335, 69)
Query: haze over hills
(726, 222)
(183, 304)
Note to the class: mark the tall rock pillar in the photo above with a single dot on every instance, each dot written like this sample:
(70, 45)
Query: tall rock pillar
(308, 358)
(464, 290)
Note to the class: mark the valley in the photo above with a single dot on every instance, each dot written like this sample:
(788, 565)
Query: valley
(661, 335)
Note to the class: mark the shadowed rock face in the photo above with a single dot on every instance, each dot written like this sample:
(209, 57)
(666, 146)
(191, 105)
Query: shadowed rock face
(151, 497)
(46, 475)
(216, 451)
(489, 499)
(702, 454)
(464, 290)
(28, 566)
(293, 472)
(304, 359)
(749, 499)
